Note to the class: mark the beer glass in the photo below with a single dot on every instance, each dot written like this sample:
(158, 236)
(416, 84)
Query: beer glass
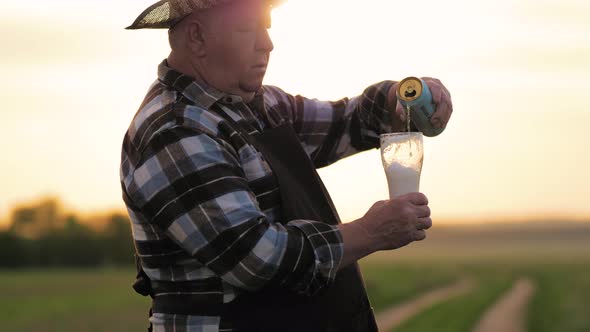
(402, 155)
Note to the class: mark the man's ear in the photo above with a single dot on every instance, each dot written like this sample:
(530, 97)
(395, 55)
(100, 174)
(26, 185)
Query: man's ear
(195, 38)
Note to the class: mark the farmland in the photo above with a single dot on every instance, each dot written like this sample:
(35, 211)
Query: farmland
(558, 262)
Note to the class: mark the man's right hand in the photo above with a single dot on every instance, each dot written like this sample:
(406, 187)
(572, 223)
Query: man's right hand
(387, 225)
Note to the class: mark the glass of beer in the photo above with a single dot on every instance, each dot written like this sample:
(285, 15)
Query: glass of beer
(402, 155)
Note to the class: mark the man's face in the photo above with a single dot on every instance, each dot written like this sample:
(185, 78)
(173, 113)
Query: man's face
(238, 46)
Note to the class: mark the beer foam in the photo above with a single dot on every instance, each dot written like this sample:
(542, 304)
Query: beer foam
(402, 180)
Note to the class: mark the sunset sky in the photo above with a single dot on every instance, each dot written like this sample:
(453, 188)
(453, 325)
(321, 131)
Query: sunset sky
(517, 146)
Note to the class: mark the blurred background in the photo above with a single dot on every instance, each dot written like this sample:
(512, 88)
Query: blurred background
(507, 180)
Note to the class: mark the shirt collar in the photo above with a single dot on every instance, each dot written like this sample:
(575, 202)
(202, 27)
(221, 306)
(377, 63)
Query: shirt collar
(198, 92)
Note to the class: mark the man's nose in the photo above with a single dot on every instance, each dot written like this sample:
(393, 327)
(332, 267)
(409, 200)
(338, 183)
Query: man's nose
(264, 43)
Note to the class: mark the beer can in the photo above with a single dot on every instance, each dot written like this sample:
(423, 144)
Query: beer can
(414, 92)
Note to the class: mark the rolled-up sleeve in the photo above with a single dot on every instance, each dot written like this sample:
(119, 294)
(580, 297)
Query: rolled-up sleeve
(191, 185)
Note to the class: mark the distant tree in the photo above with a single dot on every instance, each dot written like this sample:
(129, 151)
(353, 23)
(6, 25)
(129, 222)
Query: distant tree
(13, 251)
(23, 221)
(118, 241)
(36, 219)
(73, 245)
(41, 235)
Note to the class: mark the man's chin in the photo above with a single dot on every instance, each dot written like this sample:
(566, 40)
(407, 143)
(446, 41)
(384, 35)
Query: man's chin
(251, 87)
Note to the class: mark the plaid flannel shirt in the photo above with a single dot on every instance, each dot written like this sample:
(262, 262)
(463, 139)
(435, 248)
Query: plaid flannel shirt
(203, 203)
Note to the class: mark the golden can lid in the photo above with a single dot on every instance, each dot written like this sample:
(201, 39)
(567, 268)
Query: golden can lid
(409, 89)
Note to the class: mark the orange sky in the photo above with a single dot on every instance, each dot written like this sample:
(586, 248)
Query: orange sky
(517, 144)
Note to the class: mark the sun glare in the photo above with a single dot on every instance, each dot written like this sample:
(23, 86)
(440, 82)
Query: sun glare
(59, 80)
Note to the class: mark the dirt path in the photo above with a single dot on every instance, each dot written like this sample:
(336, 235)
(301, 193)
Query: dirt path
(394, 316)
(509, 312)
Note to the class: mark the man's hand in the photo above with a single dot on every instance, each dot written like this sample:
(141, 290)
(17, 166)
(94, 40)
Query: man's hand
(440, 97)
(387, 225)
(395, 223)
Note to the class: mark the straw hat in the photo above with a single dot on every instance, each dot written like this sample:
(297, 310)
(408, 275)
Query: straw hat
(166, 13)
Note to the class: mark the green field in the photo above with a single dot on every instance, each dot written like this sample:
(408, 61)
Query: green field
(555, 256)
(564, 302)
(71, 300)
(460, 313)
(395, 283)
(560, 304)
(102, 299)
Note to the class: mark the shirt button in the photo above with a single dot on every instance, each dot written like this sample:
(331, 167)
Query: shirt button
(232, 99)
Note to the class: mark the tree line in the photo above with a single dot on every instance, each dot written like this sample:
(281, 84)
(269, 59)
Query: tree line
(41, 234)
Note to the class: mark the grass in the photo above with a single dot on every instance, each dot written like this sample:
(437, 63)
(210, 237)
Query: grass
(561, 302)
(555, 255)
(70, 300)
(389, 284)
(461, 313)
(563, 299)
(102, 299)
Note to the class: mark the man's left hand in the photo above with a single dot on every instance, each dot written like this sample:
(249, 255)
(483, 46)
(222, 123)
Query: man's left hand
(440, 97)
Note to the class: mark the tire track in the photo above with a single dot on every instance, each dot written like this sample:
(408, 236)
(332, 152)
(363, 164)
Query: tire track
(394, 316)
(508, 314)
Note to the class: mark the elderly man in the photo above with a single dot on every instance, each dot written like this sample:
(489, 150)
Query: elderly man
(233, 228)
